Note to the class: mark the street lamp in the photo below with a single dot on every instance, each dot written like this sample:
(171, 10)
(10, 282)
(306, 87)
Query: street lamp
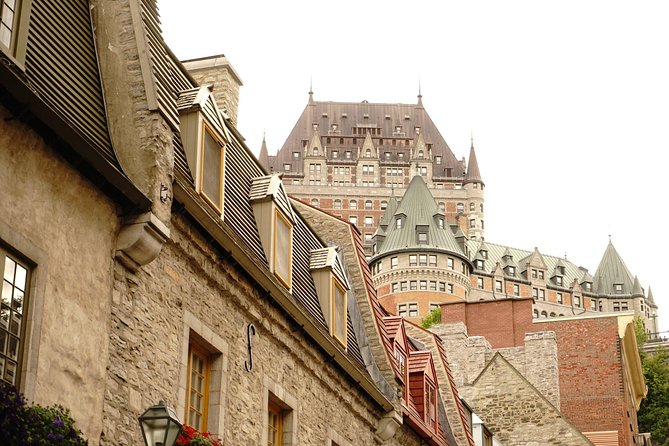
(160, 425)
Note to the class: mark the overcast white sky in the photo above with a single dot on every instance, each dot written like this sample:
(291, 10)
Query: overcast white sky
(568, 101)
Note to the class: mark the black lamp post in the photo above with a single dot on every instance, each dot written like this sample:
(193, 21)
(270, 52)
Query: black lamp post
(160, 425)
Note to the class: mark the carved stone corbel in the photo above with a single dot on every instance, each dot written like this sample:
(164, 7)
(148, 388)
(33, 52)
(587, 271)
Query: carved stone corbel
(140, 240)
(387, 426)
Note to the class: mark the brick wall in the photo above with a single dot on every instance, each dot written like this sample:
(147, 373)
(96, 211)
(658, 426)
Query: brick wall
(503, 323)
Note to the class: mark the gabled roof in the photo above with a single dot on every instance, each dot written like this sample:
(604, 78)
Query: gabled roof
(349, 115)
(612, 271)
(328, 258)
(271, 187)
(417, 209)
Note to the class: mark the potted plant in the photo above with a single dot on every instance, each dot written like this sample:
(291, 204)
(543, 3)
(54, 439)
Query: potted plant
(190, 436)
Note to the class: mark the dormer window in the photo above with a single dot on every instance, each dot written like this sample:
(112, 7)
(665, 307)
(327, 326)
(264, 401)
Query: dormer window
(484, 253)
(283, 248)
(618, 288)
(211, 179)
(588, 286)
(331, 286)
(430, 405)
(480, 264)
(398, 223)
(314, 152)
(558, 281)
(421, 237)
(274, 219)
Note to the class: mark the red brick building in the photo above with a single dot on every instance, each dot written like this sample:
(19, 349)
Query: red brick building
(600, 377)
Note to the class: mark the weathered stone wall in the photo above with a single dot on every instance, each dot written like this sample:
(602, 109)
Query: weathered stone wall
(516, 412)
(147, 336)
(56, 218)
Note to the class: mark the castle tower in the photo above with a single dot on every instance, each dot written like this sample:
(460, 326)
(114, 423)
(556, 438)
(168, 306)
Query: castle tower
(417, 263)
(474, 186)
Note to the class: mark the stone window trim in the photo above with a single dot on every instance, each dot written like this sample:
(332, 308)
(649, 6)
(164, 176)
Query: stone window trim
(196, 331)
(275, 394)
(336, 439)
(37, 258)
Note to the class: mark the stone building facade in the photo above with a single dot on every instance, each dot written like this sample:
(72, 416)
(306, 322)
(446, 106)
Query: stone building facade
(587, 368)
(145, 253)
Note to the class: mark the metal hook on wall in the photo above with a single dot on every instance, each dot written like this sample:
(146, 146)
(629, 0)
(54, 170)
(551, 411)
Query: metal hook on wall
(250, 331)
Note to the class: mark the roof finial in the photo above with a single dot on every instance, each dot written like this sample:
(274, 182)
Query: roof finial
(311, 89)
(471, 137)
(420, 94)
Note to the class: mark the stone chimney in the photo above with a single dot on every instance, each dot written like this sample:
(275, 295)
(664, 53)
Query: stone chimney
(217, 71)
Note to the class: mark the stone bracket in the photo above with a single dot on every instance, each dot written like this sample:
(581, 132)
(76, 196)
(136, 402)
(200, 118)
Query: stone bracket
(140, 240)
(387, 426)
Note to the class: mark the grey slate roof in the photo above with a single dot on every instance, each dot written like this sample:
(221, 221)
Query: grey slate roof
(473, 174)
(418, 210)
(385, 117)
(244, 178)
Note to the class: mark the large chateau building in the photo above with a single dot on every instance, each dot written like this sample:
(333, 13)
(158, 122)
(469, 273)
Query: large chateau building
(387, 169)
(350, 158)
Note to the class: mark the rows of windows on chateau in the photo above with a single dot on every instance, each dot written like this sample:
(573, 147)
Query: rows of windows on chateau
(250, 292)
(487, 87)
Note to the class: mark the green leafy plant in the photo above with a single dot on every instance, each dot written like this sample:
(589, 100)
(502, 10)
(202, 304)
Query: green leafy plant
(190, 436)
(433, 317)
(34, 425)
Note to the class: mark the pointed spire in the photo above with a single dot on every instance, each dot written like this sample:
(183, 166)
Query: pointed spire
(264, 155)
(311, 90)
(651, 301)
(473, 174)
(636, 288)
(420, 95)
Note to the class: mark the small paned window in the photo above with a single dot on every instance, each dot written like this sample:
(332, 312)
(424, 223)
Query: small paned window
(541, 275)
(413, 285)
(498, 286)
(433, 260)
(422, 260)
(423, 285)
(283, 248)
(618, 288)
(286, 167)
(449, 263)
(211, 177)
(274, 425)
(413, 309)
(479, 283)
(394, 262)
(430, 405)
(401, 359)
(403, 286)
(398, 223)
(559, 298)
(450, 288)
(337, 204)
(577, 301)
(460, 207)
(433, 285)
(394, 287)
(535, 293)
(198, 388)
(353, 204)
(369, 221)
(422, 238)
(296, 155)
(384, 205)
(442, 286)
(402, 310)
(542, 294)
(368, 204)
(413, 259)
(15, 285)
(516, 289)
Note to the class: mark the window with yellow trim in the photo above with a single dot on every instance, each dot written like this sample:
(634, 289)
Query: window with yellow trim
(338, 312)
(211, 168)
(283, 248)
(15, 280)
(198, 387)
(274, 425)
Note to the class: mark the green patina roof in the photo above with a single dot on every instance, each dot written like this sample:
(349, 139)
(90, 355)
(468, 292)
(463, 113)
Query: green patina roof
(612, 271)
(418, 212)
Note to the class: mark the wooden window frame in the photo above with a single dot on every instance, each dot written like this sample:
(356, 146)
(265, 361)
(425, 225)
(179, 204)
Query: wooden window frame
(430, 405)
(336, 285)
(17, 48)
(276, 411)
(9, 306)
(206, 129)
(287, 281)
(194, 349)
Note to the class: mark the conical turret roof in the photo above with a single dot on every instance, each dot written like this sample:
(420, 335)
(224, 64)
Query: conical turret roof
(263, 157)
(612, 271)
(417, 212)
(473, 174)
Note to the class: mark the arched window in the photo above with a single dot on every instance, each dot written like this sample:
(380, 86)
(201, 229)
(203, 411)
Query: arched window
(337, 204)
(472, 206)
(353, 204)
(315, 151)
(384, 205)
(420, 155)
(368, 204)
(368, 153)
(314, 202)
(460, 207)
